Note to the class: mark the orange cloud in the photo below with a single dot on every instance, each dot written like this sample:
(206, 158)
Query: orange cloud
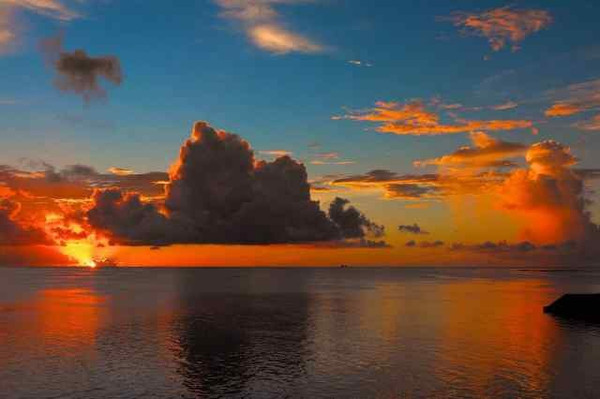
(329, 155)
(564, 109)
(413, 118)
(330, 158)
(418, 187)
(318, 162)
(576, 98)
(7, 30)
(275, 153)
(13, 233)
(52, 8)
(591, 124)
(485, 152)
(544, 201)
(503, 25)
(120, 171)
(263, 27)
(68, 190)
(76, 182)
(548, 196)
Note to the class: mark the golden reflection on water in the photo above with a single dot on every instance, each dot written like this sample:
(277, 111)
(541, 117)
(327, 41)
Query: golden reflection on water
(69, 318)
(493, 333)
(461, 337)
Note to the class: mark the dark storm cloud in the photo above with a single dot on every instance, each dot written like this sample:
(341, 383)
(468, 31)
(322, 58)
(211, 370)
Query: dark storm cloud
(79, 73)
(126, 216)
(412, 191)
(218, 193)
(352, 223)
(70, 173)
(374, 176)
(217, 186)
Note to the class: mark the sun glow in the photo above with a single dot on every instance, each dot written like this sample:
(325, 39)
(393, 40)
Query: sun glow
(73, 241)
(81, 252)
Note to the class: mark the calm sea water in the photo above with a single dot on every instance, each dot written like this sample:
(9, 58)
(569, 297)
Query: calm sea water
(307, 333)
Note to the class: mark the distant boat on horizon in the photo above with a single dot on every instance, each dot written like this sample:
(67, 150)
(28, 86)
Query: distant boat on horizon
(343, 266)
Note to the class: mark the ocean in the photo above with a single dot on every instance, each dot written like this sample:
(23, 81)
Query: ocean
(294, 333)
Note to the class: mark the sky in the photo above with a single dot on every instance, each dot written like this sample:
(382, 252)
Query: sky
(299, 132)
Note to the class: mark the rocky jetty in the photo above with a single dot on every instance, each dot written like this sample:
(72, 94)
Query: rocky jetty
(584, 307)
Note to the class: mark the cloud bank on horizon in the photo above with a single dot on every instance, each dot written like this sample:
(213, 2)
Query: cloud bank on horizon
(546, 195)
(216, 192)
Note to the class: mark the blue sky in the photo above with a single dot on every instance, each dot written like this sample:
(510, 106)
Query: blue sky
(183, 62)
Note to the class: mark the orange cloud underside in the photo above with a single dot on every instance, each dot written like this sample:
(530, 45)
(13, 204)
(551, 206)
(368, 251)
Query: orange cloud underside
(414, 118)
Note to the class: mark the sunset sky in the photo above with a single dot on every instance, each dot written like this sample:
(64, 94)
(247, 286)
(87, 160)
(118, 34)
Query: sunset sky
(221, 132)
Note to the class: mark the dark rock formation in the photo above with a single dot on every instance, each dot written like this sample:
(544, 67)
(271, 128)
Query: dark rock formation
(585, 307)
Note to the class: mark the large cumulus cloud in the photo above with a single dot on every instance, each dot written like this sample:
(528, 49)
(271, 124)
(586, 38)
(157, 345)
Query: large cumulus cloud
(126, 216)
(549, 195)
(219, 193)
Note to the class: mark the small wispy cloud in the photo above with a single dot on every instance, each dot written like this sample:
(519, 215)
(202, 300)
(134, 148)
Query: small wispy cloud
(52, 8)
(575, 98)
(505, 106)
(329, 155)
(318, 162)
(592, 124)
(263, 26)
(9, 26)
(275, 153)
(330, 158)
